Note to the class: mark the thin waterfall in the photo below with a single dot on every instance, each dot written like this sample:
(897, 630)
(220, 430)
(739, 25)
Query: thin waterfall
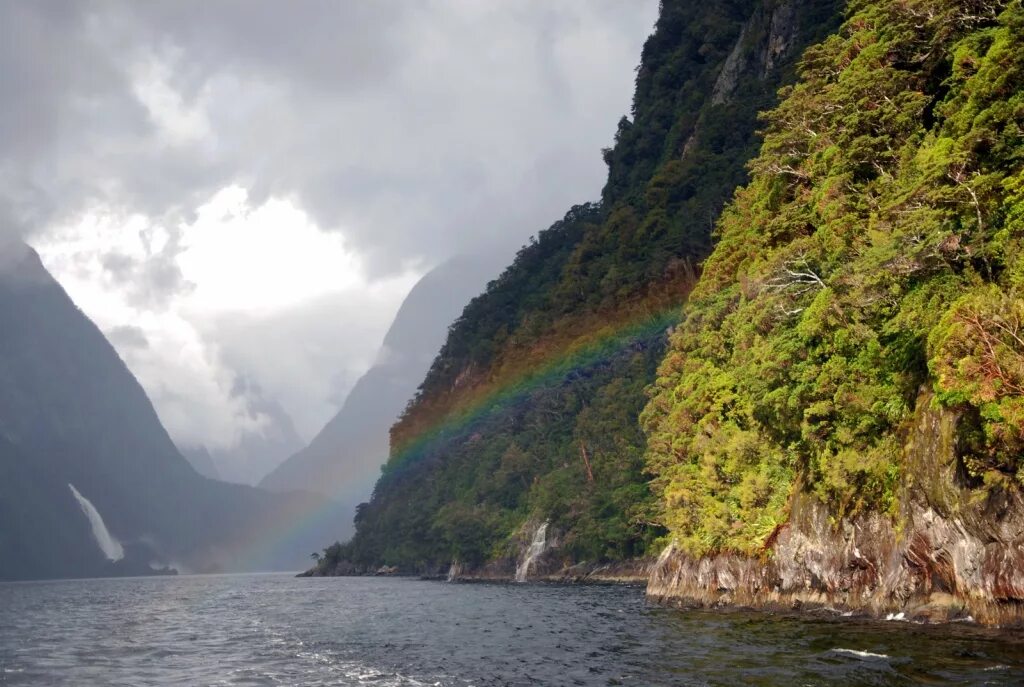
(111, 548)
(537, 546)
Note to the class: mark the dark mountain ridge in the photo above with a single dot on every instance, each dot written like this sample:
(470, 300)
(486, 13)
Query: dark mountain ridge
(71, 413)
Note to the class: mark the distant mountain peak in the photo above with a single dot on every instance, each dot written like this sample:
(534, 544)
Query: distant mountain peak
(71, 412)
(19, 261)
(344, 459)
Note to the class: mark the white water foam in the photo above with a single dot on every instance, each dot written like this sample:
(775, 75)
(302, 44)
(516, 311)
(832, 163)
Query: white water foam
(864, 655)
(536, 548)
(110, 547)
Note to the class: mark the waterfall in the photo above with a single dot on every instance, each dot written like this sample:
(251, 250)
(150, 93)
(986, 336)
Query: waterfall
(111, 548)
(535, 549)
(453, 572)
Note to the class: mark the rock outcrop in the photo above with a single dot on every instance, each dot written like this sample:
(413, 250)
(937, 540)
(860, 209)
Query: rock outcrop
(952, 552)
(535, 556)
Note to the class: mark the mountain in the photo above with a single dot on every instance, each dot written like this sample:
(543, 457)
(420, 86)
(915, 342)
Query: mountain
(529, 413)
(343, 461)
(74, 419)
(831, 415)
(840, 417)
(255, 453)
(200, 460)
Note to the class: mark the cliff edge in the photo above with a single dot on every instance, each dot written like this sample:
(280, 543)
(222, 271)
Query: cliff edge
(952, 552)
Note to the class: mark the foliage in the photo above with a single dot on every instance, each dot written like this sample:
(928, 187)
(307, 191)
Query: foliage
(466, 470)
(464, 496)
(874, 251)
(978, 361)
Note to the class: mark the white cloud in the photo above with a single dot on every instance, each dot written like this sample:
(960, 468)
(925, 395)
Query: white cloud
(249, 187)
(178, 121)
(268, 296)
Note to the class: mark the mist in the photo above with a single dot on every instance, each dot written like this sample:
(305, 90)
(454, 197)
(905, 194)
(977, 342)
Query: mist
(185, 169)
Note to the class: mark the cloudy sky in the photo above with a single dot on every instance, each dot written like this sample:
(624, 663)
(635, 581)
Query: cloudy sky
(246, 190)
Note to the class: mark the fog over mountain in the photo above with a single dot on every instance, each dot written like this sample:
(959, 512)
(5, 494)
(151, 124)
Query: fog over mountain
(256, 451)
(200, 459)
(229, 203)
(244, 189)
(86, 467)
(344, 459)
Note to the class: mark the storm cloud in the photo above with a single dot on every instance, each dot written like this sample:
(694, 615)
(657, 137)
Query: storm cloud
(411, 131)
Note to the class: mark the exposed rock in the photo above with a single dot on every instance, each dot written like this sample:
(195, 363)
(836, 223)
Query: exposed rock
(951, 553)
(782, 32)
(549, 565)
(633, 571)
(733, 67)
(766, 38)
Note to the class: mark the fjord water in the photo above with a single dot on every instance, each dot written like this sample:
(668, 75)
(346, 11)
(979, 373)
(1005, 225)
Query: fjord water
(279, 630)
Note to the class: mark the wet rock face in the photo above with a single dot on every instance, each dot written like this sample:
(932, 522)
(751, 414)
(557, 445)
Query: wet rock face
(953, 552)
(539, 544)
(765, 40)
(782, 32)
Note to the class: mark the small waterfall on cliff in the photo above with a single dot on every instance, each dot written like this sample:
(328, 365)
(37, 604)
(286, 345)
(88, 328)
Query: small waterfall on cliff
(111, 548)
(536, 548)
(453, 572)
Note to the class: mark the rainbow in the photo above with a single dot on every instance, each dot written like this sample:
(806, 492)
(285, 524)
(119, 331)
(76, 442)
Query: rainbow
(478, 404)
(582, 353)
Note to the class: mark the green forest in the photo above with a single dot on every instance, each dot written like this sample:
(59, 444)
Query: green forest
(812, 216)
(875, 253)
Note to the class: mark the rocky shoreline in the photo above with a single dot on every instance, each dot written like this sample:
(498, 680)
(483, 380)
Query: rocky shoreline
(632, 572)
(953, 553)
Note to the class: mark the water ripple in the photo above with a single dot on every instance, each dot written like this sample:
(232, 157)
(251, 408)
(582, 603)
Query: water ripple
(277, 630)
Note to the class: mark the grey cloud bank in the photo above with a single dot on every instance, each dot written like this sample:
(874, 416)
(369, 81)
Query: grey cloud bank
(417, 130)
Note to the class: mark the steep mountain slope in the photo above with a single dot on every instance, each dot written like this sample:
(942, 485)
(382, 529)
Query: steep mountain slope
(200, 460)
(343, 461)
(72, 414)
(854, 352)
(529, 413)
(43, 530)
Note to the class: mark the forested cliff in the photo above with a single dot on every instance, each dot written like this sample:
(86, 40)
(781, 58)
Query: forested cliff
(875, 252)
(529, 413)
(828, 406)
(843, 400)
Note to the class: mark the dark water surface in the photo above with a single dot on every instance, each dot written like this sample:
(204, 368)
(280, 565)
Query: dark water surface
(279, 630)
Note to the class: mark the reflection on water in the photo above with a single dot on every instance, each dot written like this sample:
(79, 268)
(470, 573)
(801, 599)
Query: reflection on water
(278, 630)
